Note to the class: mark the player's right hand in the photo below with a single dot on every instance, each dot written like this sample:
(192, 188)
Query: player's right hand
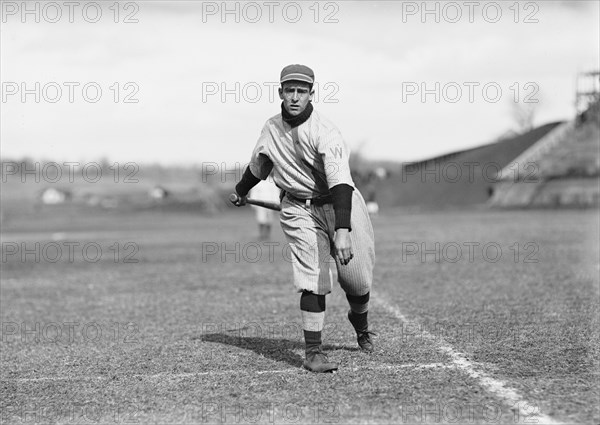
(238, 200)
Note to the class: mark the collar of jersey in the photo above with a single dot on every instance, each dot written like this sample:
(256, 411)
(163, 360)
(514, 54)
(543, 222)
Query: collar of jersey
(295, 121)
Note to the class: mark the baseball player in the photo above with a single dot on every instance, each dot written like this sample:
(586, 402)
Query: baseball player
(323, 216)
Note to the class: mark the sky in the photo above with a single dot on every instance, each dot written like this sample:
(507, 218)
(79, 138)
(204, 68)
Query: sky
(182, 83)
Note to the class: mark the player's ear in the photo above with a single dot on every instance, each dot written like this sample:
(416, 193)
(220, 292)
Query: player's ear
(311, 94)
(280, 93)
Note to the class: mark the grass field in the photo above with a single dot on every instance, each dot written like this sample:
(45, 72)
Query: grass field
(177, 318)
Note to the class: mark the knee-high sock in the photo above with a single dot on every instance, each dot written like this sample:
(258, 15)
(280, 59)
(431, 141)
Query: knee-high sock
(312, 307)
(360, 309)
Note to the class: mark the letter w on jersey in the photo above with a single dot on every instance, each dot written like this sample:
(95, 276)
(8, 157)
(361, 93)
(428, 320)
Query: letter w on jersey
(337, 152)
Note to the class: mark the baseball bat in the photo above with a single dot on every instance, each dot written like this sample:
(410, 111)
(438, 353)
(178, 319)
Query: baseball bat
(259, 203)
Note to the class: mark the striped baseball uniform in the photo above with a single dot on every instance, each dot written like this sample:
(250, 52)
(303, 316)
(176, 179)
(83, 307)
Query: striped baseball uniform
(306, 161)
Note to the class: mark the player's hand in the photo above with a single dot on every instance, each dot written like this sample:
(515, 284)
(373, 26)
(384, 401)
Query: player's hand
(343, 246)
(238, 200)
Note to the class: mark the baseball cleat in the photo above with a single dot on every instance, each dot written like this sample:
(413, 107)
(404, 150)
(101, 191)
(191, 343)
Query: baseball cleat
(318, 362)
(364, 340)
(363, 337)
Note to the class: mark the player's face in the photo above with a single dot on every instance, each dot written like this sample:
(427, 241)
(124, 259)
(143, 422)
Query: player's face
(295, 96)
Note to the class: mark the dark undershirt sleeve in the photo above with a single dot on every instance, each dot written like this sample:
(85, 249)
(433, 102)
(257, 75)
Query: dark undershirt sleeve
(342, 205)
(247, 182)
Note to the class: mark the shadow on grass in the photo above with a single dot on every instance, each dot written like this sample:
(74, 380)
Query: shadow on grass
(280, 350)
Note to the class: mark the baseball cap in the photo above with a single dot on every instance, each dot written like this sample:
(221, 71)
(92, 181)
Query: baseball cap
(297, 73)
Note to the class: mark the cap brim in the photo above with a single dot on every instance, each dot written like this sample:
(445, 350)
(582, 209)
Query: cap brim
(297, 77)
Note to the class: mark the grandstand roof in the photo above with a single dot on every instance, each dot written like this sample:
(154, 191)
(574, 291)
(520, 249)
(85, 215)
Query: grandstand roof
(457, 179)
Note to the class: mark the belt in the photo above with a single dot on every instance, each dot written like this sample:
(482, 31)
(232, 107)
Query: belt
(314, 201)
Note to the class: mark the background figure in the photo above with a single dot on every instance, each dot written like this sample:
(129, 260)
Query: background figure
(371, 193)
(266, 191)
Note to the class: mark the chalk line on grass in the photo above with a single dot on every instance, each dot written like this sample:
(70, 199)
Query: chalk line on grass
(508, 395)
(167, 375)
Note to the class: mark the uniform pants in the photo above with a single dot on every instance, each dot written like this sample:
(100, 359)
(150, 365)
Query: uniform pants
(310, 233)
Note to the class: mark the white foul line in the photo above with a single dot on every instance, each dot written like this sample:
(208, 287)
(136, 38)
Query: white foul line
(166, 375)
(499, 388)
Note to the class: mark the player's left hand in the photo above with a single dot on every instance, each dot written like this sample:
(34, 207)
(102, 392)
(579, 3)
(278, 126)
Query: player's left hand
(343, 246)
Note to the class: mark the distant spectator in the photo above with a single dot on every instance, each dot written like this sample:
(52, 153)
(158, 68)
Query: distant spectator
(53, 196)
(158, 193)
(265, 191)
(371, 193)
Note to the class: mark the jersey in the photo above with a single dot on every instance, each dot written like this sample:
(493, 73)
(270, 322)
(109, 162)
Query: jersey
(305, 161)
